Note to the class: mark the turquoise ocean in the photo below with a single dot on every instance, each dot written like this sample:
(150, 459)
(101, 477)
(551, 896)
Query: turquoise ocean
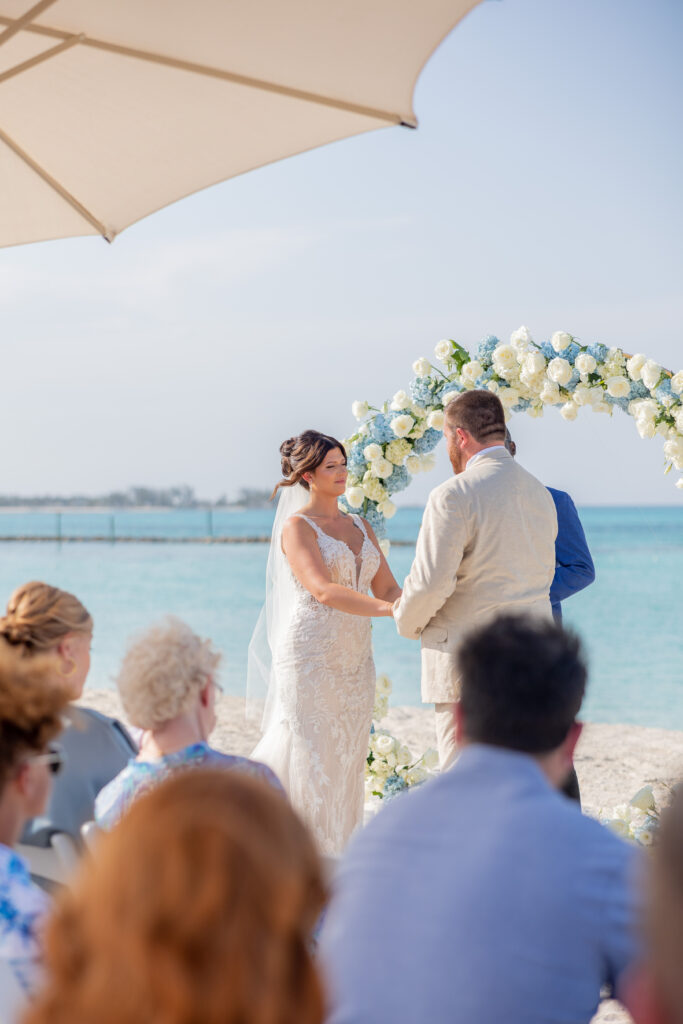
(631, 619)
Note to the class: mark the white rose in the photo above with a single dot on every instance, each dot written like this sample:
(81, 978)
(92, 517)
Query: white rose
(383, 685)
(534, 362)
(471, 371)
(535, 411)
(355, 496)
(430, 759)
(381, 468)
(560, 340)
(413, 464)
(550, 393)
(384, 744)
(602, 406)
(643, 408)
(427, 462)
(373, 451)
(521, 338)
(403, 755)
(449, 396)
(678, 419)
(373, 488)
(677, 383)
(679, 483)
(635, 364)
(493, 385)
(673, 451)
(569, 411)
(662, 429)
(644, 799)
(559, 371)
(585, 363)
(504, 359)
(387, 509)
(443, 350)
(650, 374)
(509, 397)
(435, 420)
(401, 400)
(360, 410)
(645, 427)
(385, 547)
(421, 367)
(416, 775)
(402, 425)
(618, 387)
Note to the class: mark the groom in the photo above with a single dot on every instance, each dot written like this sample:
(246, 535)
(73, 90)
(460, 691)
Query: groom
(486, 544)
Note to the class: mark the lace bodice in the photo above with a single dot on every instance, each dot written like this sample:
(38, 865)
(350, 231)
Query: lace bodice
(346, 568)
(325, 677)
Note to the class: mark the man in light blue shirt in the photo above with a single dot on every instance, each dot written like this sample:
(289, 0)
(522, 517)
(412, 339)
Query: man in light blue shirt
(485, 897)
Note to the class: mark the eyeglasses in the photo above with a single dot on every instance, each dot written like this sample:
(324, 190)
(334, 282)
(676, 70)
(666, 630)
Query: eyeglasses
(54, 758)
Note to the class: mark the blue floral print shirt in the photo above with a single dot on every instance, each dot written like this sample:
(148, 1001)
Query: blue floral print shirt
(140, 776)
(23, 906)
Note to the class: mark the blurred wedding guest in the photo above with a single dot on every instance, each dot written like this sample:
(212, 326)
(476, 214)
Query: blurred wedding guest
(574, 569)
(511, 904)
(168, 688)
(42, 619)
(197, 909)
(30, 719)
(656, 992)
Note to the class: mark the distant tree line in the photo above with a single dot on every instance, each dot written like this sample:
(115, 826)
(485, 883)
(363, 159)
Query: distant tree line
(181, 496)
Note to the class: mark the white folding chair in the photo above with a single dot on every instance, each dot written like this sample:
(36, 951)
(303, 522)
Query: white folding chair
(90, 833)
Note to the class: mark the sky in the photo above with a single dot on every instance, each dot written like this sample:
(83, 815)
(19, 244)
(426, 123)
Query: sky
(542, 187)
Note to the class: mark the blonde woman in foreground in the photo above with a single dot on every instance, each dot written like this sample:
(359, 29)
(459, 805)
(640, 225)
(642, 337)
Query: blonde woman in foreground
(43, 620)
(198, 907)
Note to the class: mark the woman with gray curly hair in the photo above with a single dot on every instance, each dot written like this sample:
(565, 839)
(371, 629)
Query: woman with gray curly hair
(167, 684)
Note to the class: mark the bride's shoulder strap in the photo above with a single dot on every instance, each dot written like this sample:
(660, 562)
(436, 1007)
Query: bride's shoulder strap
(360, 523)
(300, 515)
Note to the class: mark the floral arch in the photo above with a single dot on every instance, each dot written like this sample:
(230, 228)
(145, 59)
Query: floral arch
(395, 442)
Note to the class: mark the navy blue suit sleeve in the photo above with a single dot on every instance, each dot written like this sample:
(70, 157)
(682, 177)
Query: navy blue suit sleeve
(574, 567)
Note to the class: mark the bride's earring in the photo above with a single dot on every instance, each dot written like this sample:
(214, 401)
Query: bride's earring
(67, 675)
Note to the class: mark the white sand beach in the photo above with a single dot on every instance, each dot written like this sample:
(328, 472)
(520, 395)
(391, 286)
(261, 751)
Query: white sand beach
(613, 761)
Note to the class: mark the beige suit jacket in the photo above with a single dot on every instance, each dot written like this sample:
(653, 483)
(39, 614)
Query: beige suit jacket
(486, 544)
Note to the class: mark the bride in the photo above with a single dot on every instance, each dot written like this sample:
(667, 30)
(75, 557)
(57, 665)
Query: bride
(312, 643)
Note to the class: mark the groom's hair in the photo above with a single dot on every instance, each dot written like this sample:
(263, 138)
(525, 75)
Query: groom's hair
(522, 683)
(478, 412)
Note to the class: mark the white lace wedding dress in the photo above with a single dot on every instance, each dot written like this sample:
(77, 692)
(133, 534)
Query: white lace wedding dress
(318, 739)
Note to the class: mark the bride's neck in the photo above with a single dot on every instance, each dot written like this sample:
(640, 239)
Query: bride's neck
(323, 505)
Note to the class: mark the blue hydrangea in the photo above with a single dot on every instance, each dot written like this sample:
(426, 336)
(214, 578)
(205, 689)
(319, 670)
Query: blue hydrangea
(427, 442)
(376, 520)
(380, 431)
(573, 380)
(484, 377)
(521, 405)
(548, 350)
(451, 385)
(423, 390)
(622, 403)
(398, 481)
(393, 785)
(598, 351)
(486, 347)
(663, 390)
(570, 352)
(638, 390)
(356, 461)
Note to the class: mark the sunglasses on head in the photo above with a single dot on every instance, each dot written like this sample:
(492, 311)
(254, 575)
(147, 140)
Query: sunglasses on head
(54, 758)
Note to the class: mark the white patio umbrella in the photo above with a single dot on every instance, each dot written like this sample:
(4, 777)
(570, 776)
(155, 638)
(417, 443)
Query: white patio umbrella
(111, 109)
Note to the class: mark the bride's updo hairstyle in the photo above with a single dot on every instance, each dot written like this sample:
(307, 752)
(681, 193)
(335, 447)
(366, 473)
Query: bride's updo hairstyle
(303, 454)
(39, 616)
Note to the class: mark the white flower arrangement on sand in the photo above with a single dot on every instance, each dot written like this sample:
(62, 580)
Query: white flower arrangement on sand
(638, 820)
(390, 766)
(394, 442)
